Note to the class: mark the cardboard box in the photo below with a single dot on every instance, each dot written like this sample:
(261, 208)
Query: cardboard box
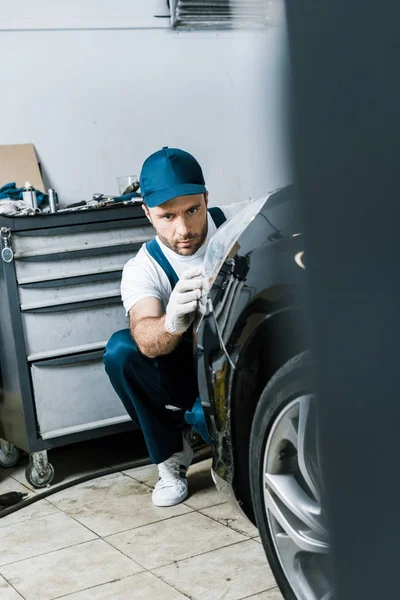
(19, 163)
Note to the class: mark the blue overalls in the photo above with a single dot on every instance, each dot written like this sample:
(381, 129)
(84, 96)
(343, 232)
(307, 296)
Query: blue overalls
(147, 385)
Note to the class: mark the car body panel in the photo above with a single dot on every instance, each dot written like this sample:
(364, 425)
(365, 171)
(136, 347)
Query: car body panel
(255, 322)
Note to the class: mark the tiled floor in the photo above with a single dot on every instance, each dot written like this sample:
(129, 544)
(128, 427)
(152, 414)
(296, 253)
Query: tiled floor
(104, 540)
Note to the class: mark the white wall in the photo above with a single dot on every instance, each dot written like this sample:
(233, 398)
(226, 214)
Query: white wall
(96, 102)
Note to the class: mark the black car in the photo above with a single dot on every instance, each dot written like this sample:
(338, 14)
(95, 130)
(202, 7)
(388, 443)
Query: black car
(255, 369)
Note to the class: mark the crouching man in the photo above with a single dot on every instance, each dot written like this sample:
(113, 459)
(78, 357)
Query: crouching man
(151, 364)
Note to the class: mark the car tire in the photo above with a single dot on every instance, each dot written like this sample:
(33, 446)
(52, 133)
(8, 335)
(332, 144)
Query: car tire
(273, 453)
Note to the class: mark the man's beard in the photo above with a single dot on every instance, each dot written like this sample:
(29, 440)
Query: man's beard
(198, 241)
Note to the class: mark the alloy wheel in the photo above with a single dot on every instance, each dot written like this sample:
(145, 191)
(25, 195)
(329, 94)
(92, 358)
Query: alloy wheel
(292, 496)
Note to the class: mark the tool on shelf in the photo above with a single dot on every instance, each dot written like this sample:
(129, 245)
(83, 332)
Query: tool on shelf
(101, 201)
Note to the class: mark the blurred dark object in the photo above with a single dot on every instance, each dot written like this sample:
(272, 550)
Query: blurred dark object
(346, 147)
(11, 498)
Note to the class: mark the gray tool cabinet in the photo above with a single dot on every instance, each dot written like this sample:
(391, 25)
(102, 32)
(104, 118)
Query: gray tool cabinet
(59, 304)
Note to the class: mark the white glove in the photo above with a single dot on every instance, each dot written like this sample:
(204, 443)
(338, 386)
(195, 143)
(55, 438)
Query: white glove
(183, 301)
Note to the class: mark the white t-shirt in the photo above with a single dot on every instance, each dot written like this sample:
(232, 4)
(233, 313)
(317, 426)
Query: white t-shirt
(143, 277)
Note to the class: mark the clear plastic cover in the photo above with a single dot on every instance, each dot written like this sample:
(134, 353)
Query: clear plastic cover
(226, 236)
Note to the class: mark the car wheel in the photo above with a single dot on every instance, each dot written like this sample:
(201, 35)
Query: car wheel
(286, 483)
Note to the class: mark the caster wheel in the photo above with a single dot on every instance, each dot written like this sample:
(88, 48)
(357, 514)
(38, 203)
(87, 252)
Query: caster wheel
(9, 456)
(39, 479)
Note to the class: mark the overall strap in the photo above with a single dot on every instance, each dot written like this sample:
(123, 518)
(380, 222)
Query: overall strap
(217, 216)
(155, 251)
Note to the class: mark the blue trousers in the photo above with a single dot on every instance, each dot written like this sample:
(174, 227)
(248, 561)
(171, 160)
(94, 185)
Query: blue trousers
(146, 385)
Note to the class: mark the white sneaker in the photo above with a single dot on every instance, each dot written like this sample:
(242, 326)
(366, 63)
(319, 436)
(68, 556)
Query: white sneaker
(172, 486)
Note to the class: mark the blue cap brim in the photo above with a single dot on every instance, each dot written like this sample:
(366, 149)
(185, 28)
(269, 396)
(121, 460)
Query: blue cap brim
(183, 189)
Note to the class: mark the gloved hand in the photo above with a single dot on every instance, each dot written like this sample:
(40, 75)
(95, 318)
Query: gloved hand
(196, 419)
(183, 301)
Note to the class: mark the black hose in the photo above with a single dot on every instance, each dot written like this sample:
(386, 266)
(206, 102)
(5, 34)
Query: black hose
(201, 454)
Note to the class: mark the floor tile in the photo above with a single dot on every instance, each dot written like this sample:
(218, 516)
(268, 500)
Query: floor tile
(147, 475)
(9, 484)
(126, 512)
(17, 473)
(226, 514)
(32, 538)
(202, 490)
(143, 586)
(174, 539)
(101, 489)
(39, 509)
(69, 570)
(7, 592)
(228, 573)
(203, 466)
(273, 594)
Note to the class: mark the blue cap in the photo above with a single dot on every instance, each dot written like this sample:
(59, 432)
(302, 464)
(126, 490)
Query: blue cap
(169, 173)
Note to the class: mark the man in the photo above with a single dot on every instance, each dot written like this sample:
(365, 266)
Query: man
(151, 365)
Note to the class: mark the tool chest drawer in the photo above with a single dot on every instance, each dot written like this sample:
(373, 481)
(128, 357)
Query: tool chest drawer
(49, 242)
(74, 393)
(65, 327)
(48, 268)
(65, 291)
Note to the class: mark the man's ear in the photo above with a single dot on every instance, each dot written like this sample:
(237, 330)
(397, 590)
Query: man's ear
(147, 212)
(206, 198)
